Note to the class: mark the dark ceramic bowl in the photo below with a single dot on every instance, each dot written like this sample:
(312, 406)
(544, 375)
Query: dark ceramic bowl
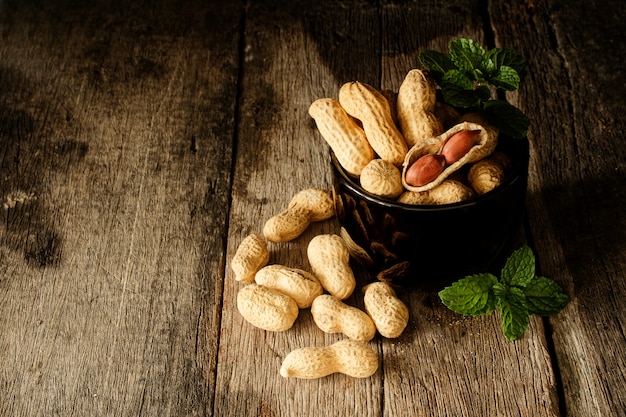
(429, 247)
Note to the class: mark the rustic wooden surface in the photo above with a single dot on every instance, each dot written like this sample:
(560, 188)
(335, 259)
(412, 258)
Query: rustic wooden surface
(140, 143)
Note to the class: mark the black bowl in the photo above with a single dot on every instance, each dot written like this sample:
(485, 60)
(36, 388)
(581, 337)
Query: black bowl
(429, 247)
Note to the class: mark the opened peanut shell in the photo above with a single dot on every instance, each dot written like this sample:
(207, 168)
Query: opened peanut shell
(486, 141)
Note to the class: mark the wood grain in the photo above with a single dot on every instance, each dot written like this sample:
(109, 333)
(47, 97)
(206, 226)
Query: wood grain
(117, 126)
(577, 187)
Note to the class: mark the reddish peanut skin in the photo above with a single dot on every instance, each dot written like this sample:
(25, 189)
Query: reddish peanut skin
(425, 170)
(459, 144)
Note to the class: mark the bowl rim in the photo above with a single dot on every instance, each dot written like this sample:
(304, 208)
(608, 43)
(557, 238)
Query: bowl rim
(512, 178)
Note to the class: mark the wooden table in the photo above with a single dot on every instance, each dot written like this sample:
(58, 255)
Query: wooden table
(141, 143)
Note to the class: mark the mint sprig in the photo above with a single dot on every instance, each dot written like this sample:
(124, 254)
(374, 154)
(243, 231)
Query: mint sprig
(518, 294)
(468, 74)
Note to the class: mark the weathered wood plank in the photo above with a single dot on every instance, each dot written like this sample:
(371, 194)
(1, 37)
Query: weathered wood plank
(574, 96)
(116, 127)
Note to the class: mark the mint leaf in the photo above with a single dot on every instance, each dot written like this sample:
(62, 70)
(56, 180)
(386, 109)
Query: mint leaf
(508, 57)
(519, 269)
(516, 295)
(465, 75)
(459, 97)
(457, 78)
(470, 296)
(489, 67)
(507, 118)
(500, 291)
(506, 78)
(466, 54)
(514, 314)
(458, 90)
(544, 297)
(437, 63)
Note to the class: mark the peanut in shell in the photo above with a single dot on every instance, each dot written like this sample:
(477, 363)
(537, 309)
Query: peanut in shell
(485, 145)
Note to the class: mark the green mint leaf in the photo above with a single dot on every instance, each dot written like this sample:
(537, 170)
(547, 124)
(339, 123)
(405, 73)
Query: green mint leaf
(507, 118)
(470, 296)
(500, 291)
(514, 314)
(437, 63)
(489, 68)
(506, 78)
(466, 54)
(458, 90)
(519, 269)
(459, 97)
(457, 78)
(544, 296)
(508, 57)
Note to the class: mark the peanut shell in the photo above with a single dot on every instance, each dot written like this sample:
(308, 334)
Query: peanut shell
(388, 312)
(416, 106)
(367, 104)
(287, 225)
(349, 357)
(448, 192)
(330, 261)
(485, 175)
(486, 143)
(343, 135)
(251, 255)
(318, 202)
(266, 308)
(382, 179)
(298, 284)
(334, 316)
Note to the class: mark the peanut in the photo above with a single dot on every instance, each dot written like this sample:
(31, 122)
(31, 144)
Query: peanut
(330, 261)
(485, 175)
(333, 316)
(459, 144)
(425, 169)
(448, 192)
(305, 207)
(318, 202)
(389, 313)
(343, 135)
(464, 152)
(421, 198)
(349, 357)
(416, 104)
(490, 133)
(365, 103)
(451, 191)
(298, 284)
(251, 255)
(266, 308)
(382, 179)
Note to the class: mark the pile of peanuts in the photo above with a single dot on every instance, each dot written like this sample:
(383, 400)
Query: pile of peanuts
(403, 146)
(408, 147)
(274, 294)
